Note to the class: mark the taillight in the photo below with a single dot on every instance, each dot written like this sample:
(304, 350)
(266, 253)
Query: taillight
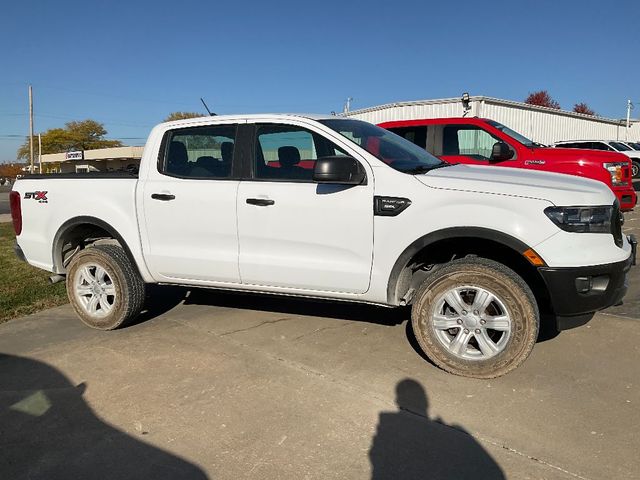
(16, 212)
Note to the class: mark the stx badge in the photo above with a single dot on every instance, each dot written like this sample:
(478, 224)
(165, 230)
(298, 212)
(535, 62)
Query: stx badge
(40, 197)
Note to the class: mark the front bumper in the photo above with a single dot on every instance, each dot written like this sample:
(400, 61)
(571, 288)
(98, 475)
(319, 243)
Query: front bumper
(626, 196)
(578, 292)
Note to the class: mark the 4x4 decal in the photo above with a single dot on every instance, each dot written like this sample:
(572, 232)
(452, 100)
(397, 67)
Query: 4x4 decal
(40, 196)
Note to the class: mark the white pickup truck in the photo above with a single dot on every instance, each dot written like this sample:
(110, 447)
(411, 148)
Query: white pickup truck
(338, 209)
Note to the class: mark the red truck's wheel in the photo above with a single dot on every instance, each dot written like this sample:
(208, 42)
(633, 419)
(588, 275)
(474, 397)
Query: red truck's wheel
(476, 318)
(104, 287)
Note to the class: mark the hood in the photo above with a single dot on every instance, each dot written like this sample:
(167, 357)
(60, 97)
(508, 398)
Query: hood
(578, 155)
(559, 189)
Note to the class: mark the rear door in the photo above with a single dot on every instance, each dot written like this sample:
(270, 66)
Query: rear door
(189, 207)
(293, 232)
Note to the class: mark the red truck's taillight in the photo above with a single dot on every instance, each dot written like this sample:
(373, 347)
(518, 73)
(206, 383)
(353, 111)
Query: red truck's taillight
(16, 212)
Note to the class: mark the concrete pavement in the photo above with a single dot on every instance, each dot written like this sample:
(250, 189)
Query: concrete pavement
(4, 200)
(242, 386)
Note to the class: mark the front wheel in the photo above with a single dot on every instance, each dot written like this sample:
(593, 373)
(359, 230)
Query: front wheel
(104, 287)
(476, 318)
(635, 168)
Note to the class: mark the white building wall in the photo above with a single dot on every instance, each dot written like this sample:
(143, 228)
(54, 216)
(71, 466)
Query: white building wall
(543, 125)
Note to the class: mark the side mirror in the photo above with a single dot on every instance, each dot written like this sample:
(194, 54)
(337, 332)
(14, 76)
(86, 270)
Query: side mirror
(338, 169)
(500, 152)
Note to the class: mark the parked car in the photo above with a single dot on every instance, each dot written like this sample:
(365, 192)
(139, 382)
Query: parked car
(634, 145)
(607, 145)
(337, 209)
(480, 141)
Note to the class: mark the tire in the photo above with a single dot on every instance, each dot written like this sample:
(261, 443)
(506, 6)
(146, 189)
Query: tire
(104, 287)
(635, 169)
(455, 332)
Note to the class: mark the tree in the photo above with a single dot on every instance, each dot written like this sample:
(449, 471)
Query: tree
(542, 99)
(82, 135)
(181, 116)
(10, 170)
(583, 108)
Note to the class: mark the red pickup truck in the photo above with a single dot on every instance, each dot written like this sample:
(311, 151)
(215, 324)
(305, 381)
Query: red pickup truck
(481, 141)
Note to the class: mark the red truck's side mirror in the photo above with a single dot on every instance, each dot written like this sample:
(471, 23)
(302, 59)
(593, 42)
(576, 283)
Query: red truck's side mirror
(501, 152)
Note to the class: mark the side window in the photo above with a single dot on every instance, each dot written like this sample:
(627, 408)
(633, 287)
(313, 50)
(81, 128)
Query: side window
(468, 140)
(200, 152)
(417, 135)
(589, 145)
(288, 152)
(599, 146)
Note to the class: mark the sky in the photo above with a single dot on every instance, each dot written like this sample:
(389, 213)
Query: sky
(128, 64)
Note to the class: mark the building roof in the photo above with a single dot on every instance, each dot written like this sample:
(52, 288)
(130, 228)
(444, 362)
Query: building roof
(98, 154)
(495, 101)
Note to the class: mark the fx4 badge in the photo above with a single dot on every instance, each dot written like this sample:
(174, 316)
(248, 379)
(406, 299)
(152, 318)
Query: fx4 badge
(40, 197)
(535, 162)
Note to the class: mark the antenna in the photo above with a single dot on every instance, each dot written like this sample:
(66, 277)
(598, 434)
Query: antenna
(205, 106)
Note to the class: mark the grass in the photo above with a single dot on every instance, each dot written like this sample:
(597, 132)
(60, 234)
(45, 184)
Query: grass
(23, 289)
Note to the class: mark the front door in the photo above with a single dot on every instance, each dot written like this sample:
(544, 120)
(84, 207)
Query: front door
(189, 205)
(295, 233)
(468, 144)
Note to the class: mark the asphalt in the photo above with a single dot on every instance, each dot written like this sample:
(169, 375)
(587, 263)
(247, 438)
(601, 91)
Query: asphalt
(219, 385)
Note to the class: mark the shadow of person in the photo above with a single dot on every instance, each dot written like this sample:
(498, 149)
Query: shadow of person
(409, 445)
(47, 431)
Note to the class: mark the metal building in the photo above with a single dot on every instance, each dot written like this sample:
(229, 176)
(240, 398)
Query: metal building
(540, 124)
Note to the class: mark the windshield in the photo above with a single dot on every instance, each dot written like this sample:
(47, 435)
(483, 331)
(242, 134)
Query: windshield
(392, 149)
(621, 147)
(635, 145)
(507, 131)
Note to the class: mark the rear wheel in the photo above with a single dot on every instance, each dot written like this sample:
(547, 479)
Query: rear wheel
(475, 317)
(104, 287)
(635, 168)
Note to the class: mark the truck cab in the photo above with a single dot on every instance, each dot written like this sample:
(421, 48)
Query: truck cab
(481, 141)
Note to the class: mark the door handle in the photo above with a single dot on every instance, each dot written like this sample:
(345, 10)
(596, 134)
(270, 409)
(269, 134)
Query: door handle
(163, 196)
(261, 202)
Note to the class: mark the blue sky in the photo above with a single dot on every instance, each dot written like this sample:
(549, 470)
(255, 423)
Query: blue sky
(129, 64)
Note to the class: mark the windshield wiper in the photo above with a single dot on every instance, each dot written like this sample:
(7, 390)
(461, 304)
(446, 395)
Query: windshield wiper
(425, 168)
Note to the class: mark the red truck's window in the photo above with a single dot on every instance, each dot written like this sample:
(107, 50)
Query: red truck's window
(468, 140)
(417, 134)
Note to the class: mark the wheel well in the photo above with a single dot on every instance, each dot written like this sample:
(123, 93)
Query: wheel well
(427, 259)
(78, 234)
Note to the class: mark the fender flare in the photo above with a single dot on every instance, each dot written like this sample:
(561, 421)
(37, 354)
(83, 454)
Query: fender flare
(56, 251)
(453, 232)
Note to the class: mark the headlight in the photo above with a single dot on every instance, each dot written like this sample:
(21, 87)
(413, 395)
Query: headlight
(615, 170)
(581, 219)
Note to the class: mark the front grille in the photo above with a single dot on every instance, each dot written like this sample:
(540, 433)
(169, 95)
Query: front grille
(616, 224)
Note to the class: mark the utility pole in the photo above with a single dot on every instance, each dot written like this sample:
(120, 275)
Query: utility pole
(629, 107)
(39, 153)
(30, 129)
(347, 105)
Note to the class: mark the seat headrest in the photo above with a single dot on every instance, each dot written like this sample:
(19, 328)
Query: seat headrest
(288, 156)
(178, 156)
(226, 151)
(204, 161)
